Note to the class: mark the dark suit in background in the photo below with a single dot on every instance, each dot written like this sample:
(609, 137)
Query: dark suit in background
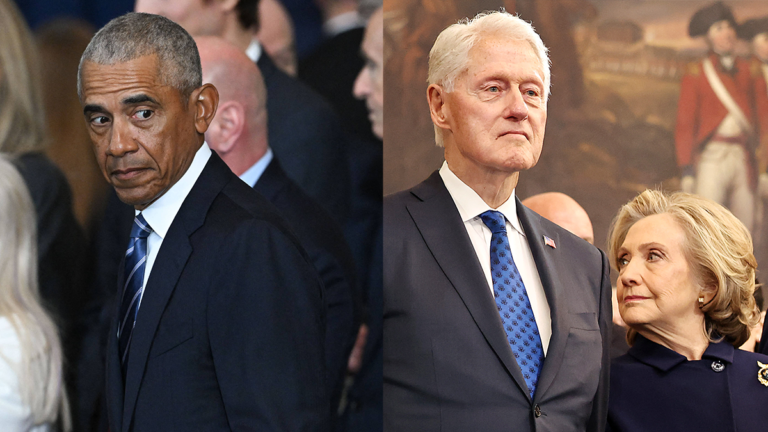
(324, 242)
(61, 243)
(447, 363)
(364, 233)
(306, 135)
(762, 347)
(229, 335)
(63, 257)
(331, 71)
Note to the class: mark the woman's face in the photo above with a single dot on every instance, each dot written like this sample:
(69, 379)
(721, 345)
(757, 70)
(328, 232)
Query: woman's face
(657, 290)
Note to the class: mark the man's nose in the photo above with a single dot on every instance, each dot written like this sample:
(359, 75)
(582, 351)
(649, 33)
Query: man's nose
(362, 84)
(516, 108)
(122, 140)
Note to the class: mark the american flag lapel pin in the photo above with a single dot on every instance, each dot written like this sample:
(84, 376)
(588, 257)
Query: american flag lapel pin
(549, 242)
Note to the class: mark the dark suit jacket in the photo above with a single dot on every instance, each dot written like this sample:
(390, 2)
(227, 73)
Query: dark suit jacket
(364, 234)
(331, 71)
(306, 134)
(229, 335)
(447, 363)
(656, 389)
(324, 242)
(63, 255)
(61, 244)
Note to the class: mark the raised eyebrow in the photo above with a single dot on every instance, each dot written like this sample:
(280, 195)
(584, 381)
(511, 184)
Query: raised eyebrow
(92, 108)
(138, 99)
(651, 245)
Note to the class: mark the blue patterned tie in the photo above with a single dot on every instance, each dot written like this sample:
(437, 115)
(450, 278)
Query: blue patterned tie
(135, 263)
(512, 302)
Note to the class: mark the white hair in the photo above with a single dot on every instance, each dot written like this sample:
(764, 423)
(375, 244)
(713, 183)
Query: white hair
(449, 56)
(41, 384)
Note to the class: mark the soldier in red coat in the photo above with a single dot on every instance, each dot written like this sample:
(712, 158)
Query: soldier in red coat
(716, 126)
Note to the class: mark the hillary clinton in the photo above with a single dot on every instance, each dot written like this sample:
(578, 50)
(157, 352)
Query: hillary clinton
(685, 288)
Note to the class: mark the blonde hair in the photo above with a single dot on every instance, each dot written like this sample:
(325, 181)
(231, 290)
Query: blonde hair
(718, 248)
(449, 56)
(40, 370)
(22, 119)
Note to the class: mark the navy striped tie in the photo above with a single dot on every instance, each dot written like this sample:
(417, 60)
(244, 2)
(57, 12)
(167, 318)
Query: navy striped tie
(135, 263)
(513, 303)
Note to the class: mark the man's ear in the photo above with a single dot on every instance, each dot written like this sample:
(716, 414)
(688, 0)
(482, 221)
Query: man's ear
(230, 123)
(205, 100)
(437, 109)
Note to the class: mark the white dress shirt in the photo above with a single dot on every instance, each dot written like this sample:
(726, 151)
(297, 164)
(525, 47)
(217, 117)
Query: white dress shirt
(160, 214)
(253, 174)
(470, 207)
(254, 50)
(341, 23)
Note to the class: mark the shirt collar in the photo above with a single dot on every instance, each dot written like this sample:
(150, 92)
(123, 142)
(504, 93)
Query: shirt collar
(665, 359)
(469, 203)
(341, 23)
(253, 174)
(160, 214)
(254, 50)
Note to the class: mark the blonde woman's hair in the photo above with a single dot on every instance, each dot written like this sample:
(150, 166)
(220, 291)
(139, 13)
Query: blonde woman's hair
(22, 119)
(40, 370)
(718, 248)
(449, 56)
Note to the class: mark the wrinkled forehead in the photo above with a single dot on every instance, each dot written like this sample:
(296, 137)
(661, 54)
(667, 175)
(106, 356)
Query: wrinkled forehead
(144, 71)
(492, 47)
(101, 82)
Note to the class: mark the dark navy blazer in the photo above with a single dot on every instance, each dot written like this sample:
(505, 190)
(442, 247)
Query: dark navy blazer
(656, 389)
(306, 135)
(230, 333)
(324, 242)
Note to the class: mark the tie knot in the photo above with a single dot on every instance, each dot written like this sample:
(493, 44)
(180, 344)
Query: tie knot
(141, 228)
(495, 221)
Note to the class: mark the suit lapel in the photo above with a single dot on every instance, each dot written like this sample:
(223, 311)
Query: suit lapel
(266, 65)
(546, 259)
(437, 215)
(271, 181)
(169, 264)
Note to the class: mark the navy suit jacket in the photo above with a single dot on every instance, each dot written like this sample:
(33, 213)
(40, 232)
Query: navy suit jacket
(656, 389)
(324, 242)
(305, 133)
(229, 335)
(331, 71)
(762, 347)
(447, 363)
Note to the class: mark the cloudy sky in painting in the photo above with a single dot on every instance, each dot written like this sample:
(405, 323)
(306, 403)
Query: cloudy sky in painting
(666, 21)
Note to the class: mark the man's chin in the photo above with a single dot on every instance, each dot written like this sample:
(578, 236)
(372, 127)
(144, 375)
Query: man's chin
(134, 197)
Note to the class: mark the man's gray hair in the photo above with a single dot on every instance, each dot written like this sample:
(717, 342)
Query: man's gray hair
(449, 56)
(135, 35)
